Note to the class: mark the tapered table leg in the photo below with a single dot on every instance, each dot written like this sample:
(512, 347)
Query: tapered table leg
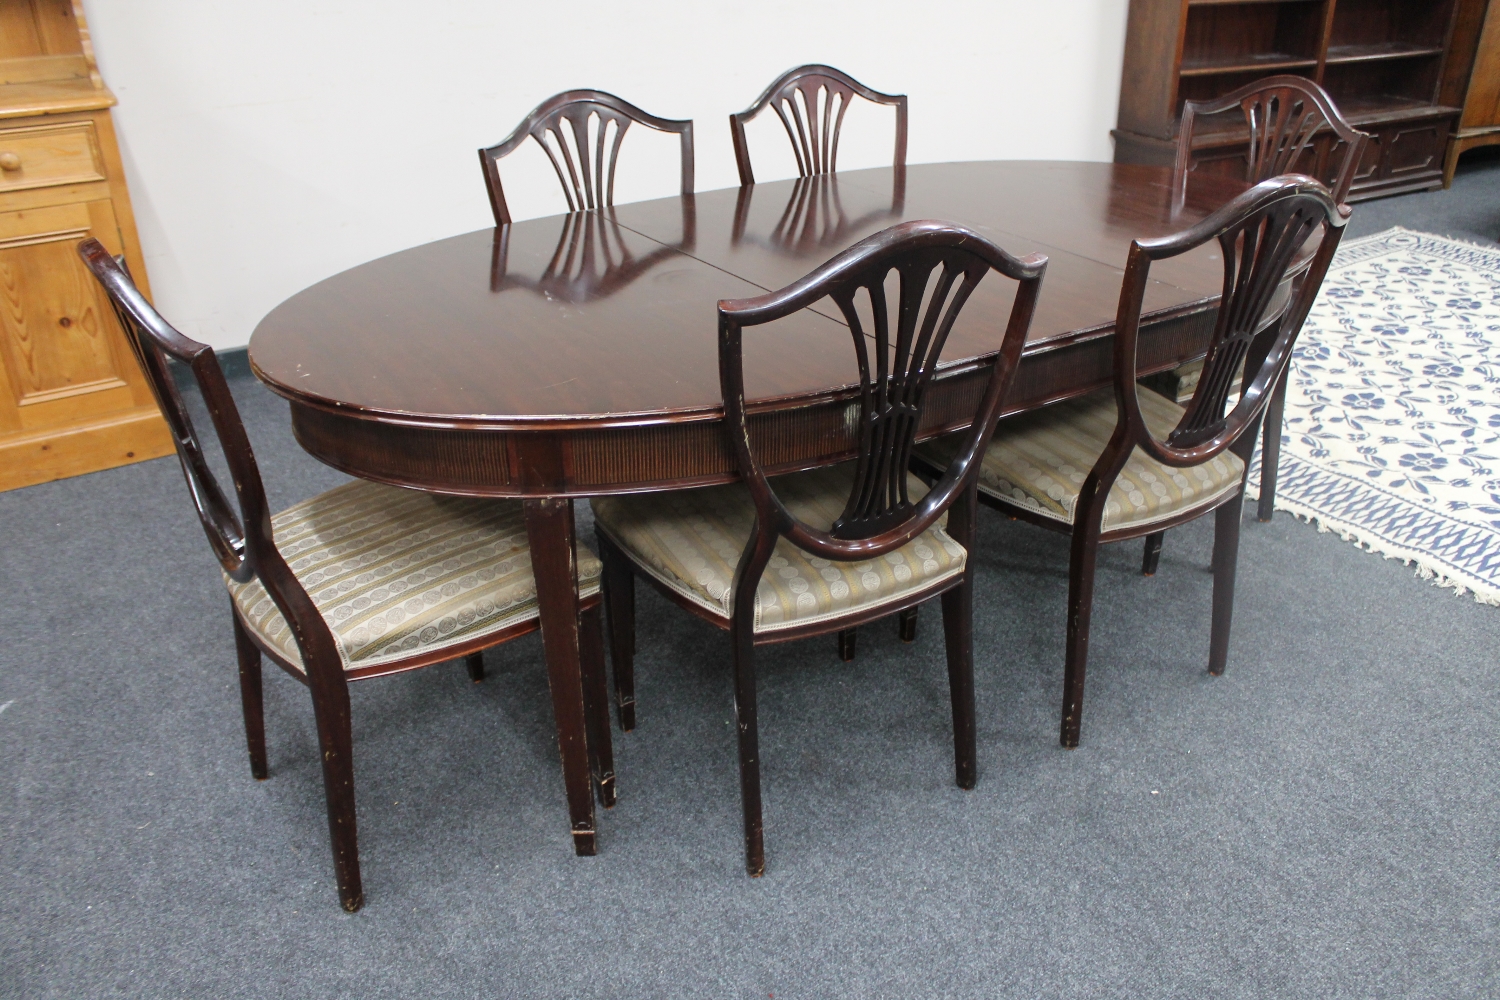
(554, 561)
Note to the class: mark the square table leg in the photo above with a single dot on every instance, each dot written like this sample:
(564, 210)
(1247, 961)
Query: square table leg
(554, 561)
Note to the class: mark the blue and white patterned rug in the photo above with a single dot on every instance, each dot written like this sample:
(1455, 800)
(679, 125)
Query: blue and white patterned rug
(1392, 429)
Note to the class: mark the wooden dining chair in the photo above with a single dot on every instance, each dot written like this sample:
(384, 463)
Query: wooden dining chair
(813, 125)
(589, 180)
(361, 581)
(845, 544)
(1124, 462)
(1283, 116)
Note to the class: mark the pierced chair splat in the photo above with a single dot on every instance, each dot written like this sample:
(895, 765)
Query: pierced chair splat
(813, 125)
(584, 169)
(361, 581)
(849, 543)
(1125, 462)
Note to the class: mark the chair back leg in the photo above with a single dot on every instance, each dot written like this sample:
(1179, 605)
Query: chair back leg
(1270, 452)
(958, 633)
(1151, 558)
(907, 625)
(474, 663)
(1226, 555)
(596, 705)
(742, 634)
(847, 639)
(335, 740)
(619, 610)
(250, 697)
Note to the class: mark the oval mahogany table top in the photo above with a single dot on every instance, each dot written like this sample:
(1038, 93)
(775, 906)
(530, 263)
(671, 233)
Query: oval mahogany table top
(598, 330)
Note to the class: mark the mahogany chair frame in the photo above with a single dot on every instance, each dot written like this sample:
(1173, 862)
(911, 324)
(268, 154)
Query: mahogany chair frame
(814, 133)
(244, 545)
(586, 186)
(879, 516)
(1284, 114)
(1259, 234)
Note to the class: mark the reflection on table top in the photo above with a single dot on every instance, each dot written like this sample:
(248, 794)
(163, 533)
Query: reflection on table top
(613, 316)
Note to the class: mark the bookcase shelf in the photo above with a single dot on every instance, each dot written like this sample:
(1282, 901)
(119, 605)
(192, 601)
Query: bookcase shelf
(1382, 62)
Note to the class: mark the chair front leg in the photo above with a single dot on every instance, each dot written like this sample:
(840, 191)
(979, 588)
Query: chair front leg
(474, 662)
(743, 637)
(619, 610)
(1226, 555)
(1270, 452)
(596, 705)
(251, 700)
(958, 632)
(1085, 555)
(336, 741)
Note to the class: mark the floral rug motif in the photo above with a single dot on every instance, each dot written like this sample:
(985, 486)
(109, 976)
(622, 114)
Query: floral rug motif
(1391, 435)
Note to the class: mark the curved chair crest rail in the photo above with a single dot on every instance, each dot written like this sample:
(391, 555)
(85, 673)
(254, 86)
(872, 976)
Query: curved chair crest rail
(813, 126)
(587, 178)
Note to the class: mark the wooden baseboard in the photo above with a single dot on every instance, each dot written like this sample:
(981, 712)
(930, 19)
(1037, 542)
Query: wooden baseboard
(40, 457)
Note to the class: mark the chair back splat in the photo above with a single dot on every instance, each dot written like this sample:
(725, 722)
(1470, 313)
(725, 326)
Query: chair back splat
(241, 542)
(1260, 234)
(938, 265)
(586, 176)
(812, 125)
(1284, 114)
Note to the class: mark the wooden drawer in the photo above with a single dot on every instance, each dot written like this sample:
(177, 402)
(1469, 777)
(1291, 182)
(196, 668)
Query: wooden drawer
(45, 155)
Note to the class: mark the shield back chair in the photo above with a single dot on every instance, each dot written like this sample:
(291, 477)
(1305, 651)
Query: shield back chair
(586, 174)
(1125, 462)
(812, 125)
(361, 581)
(845, 544)
(1284, 115)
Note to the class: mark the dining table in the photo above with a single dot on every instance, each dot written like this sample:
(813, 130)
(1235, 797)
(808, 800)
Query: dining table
(577, 355)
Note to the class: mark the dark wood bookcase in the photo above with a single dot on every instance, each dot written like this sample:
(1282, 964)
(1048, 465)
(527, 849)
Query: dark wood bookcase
(1380, 60)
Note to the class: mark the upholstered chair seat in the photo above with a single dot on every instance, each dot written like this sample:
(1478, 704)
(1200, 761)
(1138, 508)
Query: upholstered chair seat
(397, 572)
(1039, 461)
(691, 542)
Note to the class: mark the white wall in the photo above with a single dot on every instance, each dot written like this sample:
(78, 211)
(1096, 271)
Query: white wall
(270, 144)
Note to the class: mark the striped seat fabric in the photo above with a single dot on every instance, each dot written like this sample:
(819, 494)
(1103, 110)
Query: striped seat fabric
(398, 572)
(691, 541)
(1039, 460)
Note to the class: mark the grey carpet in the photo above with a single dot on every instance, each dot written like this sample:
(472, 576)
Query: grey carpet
(1319, 822)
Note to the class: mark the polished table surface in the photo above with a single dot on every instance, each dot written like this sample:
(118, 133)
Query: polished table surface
(577, 355)
(588, 324)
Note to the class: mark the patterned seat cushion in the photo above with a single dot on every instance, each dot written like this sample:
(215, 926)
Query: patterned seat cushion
(399, 572)
(691, 540)
(1040, 460)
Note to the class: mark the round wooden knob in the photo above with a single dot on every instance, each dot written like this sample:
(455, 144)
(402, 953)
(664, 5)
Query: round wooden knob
(10, 161)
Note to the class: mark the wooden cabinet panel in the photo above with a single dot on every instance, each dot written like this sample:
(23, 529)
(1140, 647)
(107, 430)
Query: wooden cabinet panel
(1415, 149)
(46, 155)
(59, 342)
(1369, 162)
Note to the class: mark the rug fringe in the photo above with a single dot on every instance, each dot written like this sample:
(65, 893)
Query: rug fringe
(1470, 244)
(1387, 550)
